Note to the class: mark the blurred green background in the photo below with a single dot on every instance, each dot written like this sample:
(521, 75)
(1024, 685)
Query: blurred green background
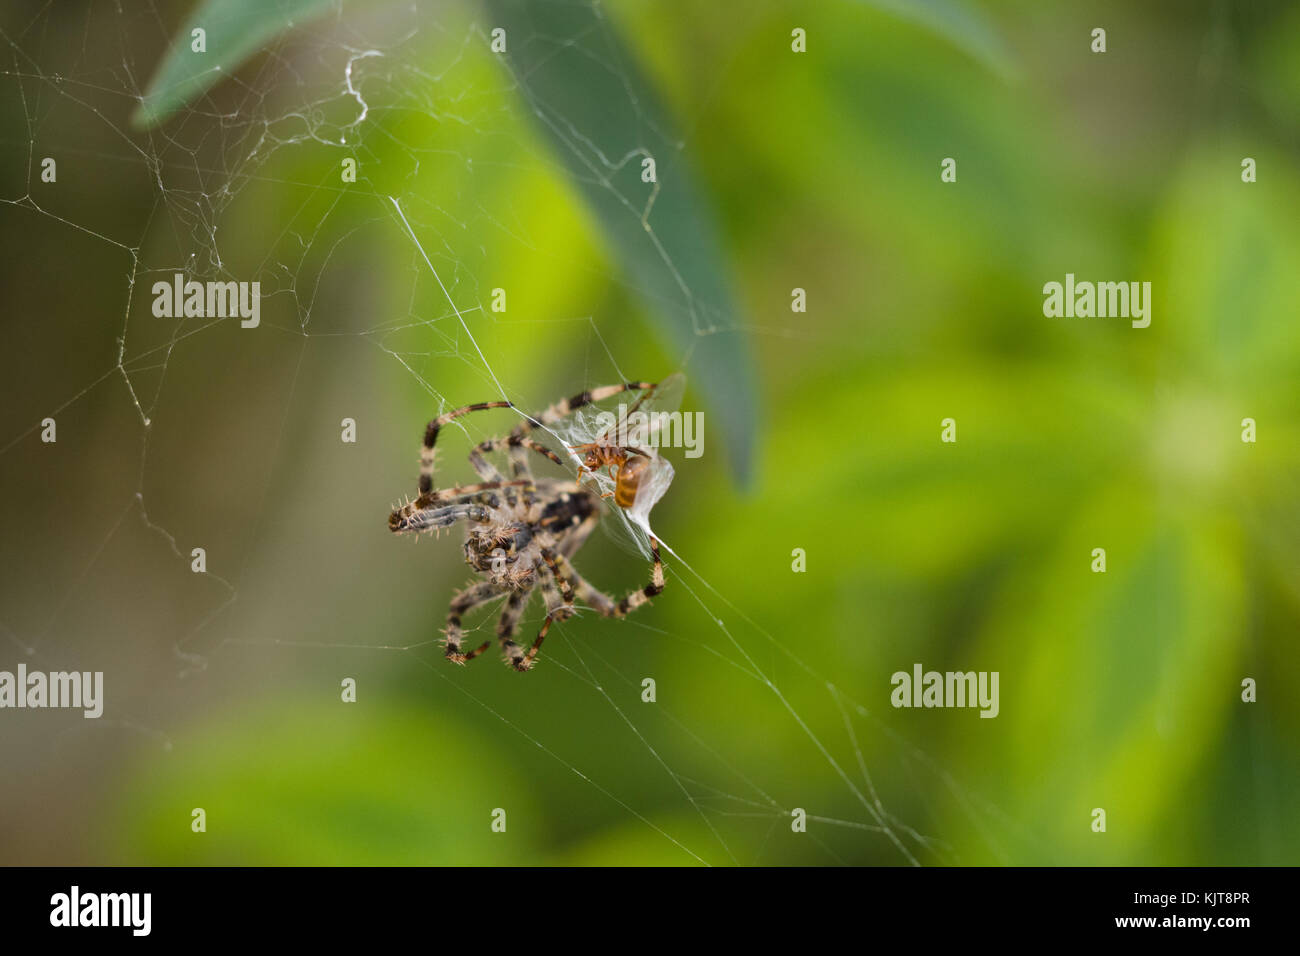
(818, 171)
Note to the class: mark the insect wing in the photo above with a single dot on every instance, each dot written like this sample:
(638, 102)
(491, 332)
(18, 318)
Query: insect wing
(641, 425)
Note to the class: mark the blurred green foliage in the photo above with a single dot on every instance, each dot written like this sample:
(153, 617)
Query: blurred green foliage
(1119, 690)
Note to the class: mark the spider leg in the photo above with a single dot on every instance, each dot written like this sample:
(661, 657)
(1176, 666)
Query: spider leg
(605, 604)
(482, 467)
(560, 577)
(431, 437)
(551, 486)
(590, 594)
(516, 448)
(519, 461)
(426, 519)
(568, 406)
(508, 624)
(557, 591)
(577, 538)
(517, 457)
(488, 471)
(404, 518)
(461, 604)
(521, 472)
(636, 598)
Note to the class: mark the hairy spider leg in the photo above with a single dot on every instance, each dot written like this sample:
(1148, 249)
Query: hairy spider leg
(656, 586)
(579, 535)
(558, 593)
(605, 604)
(567, 406)
(461, 604)
(445, 517)
(512, 653)
(404, 518)
(431, 437)
(560, 584)
(517, 449)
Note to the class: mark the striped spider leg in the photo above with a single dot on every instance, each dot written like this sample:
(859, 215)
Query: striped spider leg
(568, 583)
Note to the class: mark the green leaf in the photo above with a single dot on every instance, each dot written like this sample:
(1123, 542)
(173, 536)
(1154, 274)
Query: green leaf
(235, 30)
(963, 26)
(602, 116)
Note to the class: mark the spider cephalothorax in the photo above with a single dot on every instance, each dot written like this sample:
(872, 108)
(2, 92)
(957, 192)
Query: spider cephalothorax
(522, 532)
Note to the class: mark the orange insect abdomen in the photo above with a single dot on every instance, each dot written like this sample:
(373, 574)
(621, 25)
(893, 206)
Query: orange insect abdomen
(629, 480)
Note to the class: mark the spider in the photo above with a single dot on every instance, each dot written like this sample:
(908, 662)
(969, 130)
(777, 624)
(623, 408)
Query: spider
(522, 532)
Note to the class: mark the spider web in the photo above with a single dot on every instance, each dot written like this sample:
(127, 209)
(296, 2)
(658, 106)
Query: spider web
(191, 432)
